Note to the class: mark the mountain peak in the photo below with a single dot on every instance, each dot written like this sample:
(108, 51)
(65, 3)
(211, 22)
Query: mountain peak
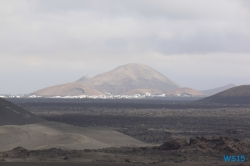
(83, 79)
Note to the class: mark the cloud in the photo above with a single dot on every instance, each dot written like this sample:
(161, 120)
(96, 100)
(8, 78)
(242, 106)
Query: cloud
(45, 27)
(86, 36)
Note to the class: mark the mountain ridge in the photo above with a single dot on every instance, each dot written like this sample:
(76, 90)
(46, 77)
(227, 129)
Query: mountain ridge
(185, 90)
(218, 89)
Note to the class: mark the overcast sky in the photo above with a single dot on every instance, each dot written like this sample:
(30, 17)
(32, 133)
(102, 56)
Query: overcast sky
(197, 44)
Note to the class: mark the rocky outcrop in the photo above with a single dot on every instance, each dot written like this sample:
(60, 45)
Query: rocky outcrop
(219, 144)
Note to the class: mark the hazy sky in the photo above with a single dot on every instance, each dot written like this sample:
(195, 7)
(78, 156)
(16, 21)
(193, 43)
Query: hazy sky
(198, 44)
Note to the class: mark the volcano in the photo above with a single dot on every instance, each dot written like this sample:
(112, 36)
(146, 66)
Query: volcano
(117, 81)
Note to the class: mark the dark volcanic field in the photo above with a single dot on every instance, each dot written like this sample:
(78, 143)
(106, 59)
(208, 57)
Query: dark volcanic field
(175, 123)
(152, 121)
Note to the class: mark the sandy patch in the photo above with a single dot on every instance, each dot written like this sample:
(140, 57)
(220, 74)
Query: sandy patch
(58, 135)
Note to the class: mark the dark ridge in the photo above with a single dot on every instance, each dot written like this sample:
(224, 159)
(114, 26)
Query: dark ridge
(11, 114)
(236, 95)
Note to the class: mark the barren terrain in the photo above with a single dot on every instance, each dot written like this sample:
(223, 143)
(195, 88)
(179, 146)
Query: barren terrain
(219, 128)
(154, 122)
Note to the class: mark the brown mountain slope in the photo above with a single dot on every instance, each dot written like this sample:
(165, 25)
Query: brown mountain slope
(190, 91)
(11, 114)
(129, 77)
(236, 95)
(72, 89)
(143, 91)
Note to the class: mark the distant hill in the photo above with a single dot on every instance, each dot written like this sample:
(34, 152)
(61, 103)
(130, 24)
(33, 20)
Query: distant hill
(235, 95)
(186, 91)
(219, 89)
(11, 114)
(72, 89)
(123, 79)
(130, 77)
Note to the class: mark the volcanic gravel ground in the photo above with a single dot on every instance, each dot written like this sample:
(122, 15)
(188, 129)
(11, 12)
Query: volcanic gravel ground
(153, 121)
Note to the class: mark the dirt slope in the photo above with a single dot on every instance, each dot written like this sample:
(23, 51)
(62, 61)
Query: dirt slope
(47, 135)
(11, 114)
